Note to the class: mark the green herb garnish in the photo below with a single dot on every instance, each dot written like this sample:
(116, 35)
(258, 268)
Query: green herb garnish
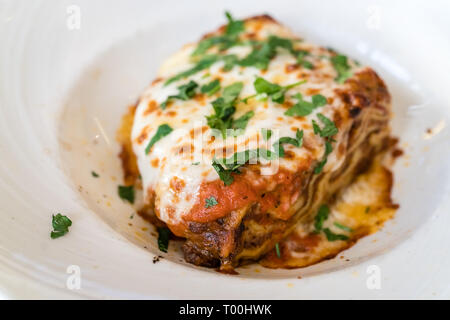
(210, 202)
(263, 52)
(163, 130)
(224, 174)
(226, 166)
(303, 108)
(203, 64)
(163, 238)
(329, 128)
(186, 92)
(331, 236)
(94, 174)
(341, 226)
(342, 68)
(297, 142)
(266, 133)
(268, 89)
(301, 54)
(320, 218)
(277, 250)
(60, 225)
(241, 122)
(126, 193)
(229, 39)
(211, 87)
(234, 27)
(328, 149)
(224, 109)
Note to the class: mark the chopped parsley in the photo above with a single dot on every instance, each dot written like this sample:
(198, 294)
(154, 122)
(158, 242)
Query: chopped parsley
(341, 226)
(328, 149)
(229, 39)
(186, 92)
(60, 225)
(342, 68)
(303, 108)
(265, 88)
(202, 64)
(226, 166)
(234, 27)
(230, 61)
(224, 109)
(301, 54)
(266, 133)
(241, 122)
(277, 250)
(163, 130)
(297, 142)
(211, 87)
(126, 193)
(331, 236)
(94, 174)
(211, 202)
(224, 174)
(329, 128)
(263, 52)
(163, 238)
(196, 163)
(320, 218)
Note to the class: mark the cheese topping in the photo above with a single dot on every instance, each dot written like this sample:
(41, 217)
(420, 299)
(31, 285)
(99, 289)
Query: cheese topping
(177, 164)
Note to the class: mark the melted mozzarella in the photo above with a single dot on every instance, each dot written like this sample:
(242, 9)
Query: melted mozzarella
(180, 162)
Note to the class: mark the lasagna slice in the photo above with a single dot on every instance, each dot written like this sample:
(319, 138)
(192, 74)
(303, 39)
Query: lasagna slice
(246, 133)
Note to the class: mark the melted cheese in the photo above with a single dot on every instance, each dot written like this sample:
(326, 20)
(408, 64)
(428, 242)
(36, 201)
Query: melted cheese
(170, 170)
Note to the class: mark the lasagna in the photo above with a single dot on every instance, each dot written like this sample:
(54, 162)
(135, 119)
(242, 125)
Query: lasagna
(246, 134)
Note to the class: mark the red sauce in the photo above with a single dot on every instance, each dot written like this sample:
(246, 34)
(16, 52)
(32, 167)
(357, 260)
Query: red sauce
(229, 198)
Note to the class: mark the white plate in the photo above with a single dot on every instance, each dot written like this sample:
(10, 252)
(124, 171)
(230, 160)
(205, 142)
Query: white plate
(63, 90)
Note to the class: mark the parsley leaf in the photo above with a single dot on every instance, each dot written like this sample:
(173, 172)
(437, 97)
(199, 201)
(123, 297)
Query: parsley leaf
(328, 130)
(277, 250)
(203, 64)
(186, 92)
(331, 236)
(163, 130)
(234, 27)
(60, 224)
(226, 166)
(341, 226)
(297, 142)
(94, 174)
(321, 217)
(126, 193)
(163, 238)
(224, 174)
(224, 109)
(266, 133)
(303, 108)
(225, 41)
(241, 122)
(211, 87)
(263, 52)
(211, 202)
(268, 89)
(328, 149)
(342, 68)
(229, 61)
(301, 54)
